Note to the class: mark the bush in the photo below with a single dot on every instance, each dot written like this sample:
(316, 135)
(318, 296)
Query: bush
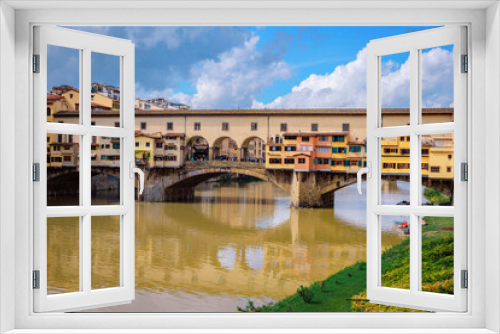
(305, 293)
(435, 197)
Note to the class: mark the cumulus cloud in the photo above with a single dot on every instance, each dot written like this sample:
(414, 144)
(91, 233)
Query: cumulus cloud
(437, 78)
(345, 87)
(233, 79)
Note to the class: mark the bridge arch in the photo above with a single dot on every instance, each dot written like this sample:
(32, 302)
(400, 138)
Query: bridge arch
(253, 149)
(65, 181)
(197, 148)
(225, 148)
(192, 178)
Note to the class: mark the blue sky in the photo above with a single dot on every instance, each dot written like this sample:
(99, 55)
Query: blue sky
(259, 67)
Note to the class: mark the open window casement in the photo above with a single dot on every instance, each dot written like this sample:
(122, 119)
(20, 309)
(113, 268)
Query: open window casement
(421, 132)
(73, 142)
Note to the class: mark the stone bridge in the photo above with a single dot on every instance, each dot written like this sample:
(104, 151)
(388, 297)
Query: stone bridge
(307, 189)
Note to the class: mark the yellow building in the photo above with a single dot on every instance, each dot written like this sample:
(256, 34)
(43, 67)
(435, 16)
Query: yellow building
(441, 158)
(144, 148)
(55, 104)
(280, 151)
(72, 96)
(105, 151)
(355, 156)
(395, 153)
(105, 102)
(339, 151)
(63, 152)
(145, 105)
(436, 156)
(426, 148)
(169, 150)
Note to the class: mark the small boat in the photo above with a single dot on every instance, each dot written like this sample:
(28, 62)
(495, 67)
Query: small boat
(401, 223)
(402, 227)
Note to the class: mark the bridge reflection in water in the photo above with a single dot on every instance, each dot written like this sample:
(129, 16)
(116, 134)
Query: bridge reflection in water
(234, 242)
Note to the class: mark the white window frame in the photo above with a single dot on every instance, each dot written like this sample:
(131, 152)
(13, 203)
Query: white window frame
(483, 102)
(414, 43)
(84, 43)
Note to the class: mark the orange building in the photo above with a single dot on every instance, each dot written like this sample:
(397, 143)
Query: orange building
(314, 151)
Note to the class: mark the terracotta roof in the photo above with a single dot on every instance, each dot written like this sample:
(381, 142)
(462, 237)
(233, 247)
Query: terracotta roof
(94, 104)
(155, 135)
(53, 97)
(307, 154)
(66, 88)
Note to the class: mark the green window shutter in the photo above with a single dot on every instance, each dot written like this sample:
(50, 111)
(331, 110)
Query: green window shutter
(351, 149)
(347, 163)
(360, 163)
(364, 163)
(335, 150)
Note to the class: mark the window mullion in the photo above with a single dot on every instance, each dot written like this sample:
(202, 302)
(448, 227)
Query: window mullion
(86, 173)
(414, 170)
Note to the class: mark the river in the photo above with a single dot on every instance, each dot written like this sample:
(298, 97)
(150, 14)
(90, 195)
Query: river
(236, 242)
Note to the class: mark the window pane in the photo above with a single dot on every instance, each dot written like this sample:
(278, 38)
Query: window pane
(437, 254)
(395, 170)
(437, 84)
(395, 89)
(395, 271)
(437, 169)
(63, 175)
(105, 251)
(105, 95)
(63, 255)
(63, 83)
(105, 158)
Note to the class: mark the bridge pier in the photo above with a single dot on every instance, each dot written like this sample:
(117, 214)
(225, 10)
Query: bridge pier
(389, 184)
(305, 191)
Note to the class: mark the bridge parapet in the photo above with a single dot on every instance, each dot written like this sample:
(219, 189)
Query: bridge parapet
(189, 165)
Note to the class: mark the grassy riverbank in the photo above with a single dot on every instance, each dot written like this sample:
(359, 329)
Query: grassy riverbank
(345, 291)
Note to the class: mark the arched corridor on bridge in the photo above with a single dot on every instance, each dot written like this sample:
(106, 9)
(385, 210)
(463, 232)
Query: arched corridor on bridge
(253, 149)
(197, 149)
(225, 149)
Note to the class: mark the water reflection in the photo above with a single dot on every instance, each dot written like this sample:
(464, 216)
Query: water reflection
(238, 242)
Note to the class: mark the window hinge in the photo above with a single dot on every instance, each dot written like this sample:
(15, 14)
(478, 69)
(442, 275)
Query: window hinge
(465, 64)
(464, 171)
(465, 279)
(36, 63)
(36, 279)
(36, 172)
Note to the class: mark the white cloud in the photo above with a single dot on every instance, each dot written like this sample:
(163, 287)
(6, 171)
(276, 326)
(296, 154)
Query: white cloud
(149, 37)
(146, 94)
(345, 87)
(437, 78)
(233, 79)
